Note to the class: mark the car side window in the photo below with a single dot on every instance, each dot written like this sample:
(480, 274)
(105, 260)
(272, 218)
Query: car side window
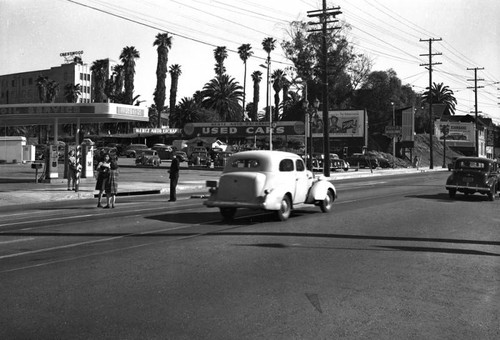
(299, 165)
(286, 165)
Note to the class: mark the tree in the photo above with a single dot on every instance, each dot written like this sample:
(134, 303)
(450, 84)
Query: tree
(441, 94)
(164, 43)
(175, 72)
(220, 54)
(52, 91)
(114, 85)
(256, 78)
(268, 44)
(245, 52)
(72, 92)
(223, 94)
(279, 79)
(99, 70)
(41, 84)
(128, 56)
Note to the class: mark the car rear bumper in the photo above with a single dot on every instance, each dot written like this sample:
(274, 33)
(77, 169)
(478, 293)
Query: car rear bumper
(229, 204)
(468, 188)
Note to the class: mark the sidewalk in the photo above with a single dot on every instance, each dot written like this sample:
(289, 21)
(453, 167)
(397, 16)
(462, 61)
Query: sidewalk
(17, 182)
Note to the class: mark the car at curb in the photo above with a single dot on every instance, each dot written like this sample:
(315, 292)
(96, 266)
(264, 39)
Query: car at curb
(474, 175)
(133, 150)
(148, 158)
(268, 180)
(339, 164)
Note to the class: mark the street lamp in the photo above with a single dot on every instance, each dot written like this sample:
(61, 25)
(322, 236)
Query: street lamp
(268, 109)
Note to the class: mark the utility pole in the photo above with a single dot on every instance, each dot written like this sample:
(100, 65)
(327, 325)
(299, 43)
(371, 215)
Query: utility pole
(475, 87)
(431, 119)
(323, 15)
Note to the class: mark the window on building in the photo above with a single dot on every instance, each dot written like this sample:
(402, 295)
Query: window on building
(81, 76)
(23, 82)
(13, 83)
(30, 81)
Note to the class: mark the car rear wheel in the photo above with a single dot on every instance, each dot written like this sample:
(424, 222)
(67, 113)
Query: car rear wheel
(326, 205)
(452, 193)
(228, 213)
(285, 209)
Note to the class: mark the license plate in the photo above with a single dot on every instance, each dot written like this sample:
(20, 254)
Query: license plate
(468, 179)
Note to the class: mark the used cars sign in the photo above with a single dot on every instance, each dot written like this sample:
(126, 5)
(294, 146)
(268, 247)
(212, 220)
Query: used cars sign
(243, 129)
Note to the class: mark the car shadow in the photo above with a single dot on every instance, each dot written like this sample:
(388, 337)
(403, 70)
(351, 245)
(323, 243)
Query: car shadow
(444, 197)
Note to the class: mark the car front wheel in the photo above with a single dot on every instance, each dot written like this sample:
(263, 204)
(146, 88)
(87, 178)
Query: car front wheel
(326, 205)
(285, 208)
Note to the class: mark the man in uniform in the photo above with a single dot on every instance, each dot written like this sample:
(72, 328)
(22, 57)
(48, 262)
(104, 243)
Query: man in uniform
(174, 178)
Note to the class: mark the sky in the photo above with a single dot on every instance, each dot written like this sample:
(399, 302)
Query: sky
(34, 32)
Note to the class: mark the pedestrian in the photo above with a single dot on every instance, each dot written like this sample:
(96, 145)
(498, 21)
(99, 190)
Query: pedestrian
(174, 178)
(74, 167)
(111, 186)
(102, 175)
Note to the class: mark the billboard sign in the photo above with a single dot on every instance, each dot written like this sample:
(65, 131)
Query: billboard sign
(459, 134)
(341, 123)
(243, 129)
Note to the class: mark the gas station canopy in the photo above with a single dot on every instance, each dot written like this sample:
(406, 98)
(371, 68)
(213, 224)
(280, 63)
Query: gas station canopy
(81, 113)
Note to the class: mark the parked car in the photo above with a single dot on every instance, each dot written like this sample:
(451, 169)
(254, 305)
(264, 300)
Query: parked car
(164, 151)
(181, 156)
(133, 150)
(268, 180)
(199, 158)
(221, 158)
(339, 164)
(148, 158)
(474, 174)
(362, 161)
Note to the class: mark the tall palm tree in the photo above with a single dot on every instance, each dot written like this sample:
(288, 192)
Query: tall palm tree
(441, 95)
(245, 52)
(220, 54)
(164, 43)
(256, 78)
(278, 78)
(41, 84)
(99, 71)
(268, 44)
(223, 94)
(52, 91)
(175, 72)
(128, 56)
(72, 92)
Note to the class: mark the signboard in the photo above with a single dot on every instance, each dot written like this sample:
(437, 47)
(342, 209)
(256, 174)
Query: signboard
(243, 129)
(342, 123)
(408, 124)
(393, 131)
(460, 134)
(157, 131)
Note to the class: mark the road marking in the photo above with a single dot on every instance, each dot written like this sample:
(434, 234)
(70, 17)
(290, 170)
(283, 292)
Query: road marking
(18, 240)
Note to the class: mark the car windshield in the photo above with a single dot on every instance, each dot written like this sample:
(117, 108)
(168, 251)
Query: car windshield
(471, 165)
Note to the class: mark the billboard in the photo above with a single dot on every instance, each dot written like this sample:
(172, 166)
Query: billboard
(341, 123)
(460, 134)
(243, 129)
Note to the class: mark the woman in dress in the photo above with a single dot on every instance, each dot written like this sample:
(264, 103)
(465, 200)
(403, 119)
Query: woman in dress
(102, 169)
(111, 187)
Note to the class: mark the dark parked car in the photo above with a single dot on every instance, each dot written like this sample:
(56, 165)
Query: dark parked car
(339, 164)
(181, 156)
(474, 174)
(148, 158)
(221, 158)
(199, 158)
(134, 149)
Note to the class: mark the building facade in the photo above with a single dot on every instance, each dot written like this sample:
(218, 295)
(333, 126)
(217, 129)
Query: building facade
(21, 88)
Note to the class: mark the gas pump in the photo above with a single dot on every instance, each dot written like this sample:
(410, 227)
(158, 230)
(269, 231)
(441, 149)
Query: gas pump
(87, 161)
(51, 162)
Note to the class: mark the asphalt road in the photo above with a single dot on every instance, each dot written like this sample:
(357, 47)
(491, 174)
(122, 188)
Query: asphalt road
(396, 259)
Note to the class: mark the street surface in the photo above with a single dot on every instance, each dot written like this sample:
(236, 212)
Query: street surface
(396, 259)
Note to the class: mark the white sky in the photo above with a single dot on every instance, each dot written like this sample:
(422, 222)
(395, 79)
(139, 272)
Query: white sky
(34, 32)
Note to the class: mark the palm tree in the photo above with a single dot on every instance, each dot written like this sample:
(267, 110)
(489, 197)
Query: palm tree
(72, 92)
(52, 91)
(223, 94)
(220, 54)
(41, 84)
(164, 43)
(245, 52)
(441, 95)
(128, 56)
(256, 78)
(278, 78)
(175, 72)
(99, 70)
(268, 44)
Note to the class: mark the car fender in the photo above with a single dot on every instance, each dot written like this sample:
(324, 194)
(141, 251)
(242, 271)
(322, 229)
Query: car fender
(319, 189)
(274, 197)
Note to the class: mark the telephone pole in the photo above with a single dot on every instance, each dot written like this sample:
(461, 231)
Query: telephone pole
(431, 119)
(475, 87)
(324, 15)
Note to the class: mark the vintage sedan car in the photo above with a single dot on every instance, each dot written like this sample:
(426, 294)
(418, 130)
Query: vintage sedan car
(474, 174)
(132, 150)
(181, 156)
(339, 164)
(268, 180)
(148, 158)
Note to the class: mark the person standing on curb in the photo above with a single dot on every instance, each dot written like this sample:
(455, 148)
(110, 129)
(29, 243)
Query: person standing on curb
(111, 186)
(102, 170)
(72, 171)
(174, 178)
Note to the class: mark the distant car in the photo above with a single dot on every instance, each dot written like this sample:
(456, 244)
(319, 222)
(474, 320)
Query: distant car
(268, 180)
(362, 161)
(148, 158)
(199, 158)
(164, 151)
(181, 156)
(339, 164)
(133, 150)
(474, 174)
(221, 158)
